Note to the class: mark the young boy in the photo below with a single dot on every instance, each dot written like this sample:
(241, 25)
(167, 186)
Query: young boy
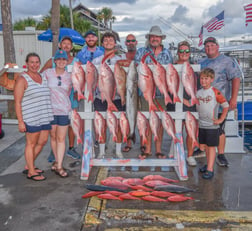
(210, 98)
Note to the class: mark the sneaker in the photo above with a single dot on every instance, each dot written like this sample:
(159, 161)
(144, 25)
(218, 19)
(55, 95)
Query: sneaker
(203, 169)
(96, 144)
(208, 175)
(198, 153)
(51, 157)
(119, 155)
(73, 154)
(221, 160)
(191, 161)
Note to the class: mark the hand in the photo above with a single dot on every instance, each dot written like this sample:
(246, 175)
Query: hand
(232, 104)
(21, 126)
(217, 121)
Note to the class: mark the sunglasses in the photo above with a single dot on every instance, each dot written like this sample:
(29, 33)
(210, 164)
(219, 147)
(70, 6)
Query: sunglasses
(184, 51)
(59, 80)
(132, 40)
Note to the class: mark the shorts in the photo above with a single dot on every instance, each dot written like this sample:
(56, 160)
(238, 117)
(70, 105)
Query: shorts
(61, 120)
(222, 125)
(33, 129)
(102, 106)
(210, 137)
(74, 102)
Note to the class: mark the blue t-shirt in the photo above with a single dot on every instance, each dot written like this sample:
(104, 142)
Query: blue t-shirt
(85, 55)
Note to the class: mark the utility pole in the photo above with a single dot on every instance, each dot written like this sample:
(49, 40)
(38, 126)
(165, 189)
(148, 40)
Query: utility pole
(71, 14)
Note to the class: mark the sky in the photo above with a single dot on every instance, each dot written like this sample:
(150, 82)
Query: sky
(179, 20)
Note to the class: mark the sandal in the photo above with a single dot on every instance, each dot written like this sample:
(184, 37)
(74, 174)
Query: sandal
(61, 172)
(37, 170)
(33, 177)
(142, 148)
(127, 148)
(144, 155)
(54, 166)
(160, 155)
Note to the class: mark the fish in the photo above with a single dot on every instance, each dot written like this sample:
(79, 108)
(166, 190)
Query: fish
(91, 194)
(139, 193)
(76, 125)
(169, 126)
(107, 85)
(91, 79)
(78, 79)
(132, 100)
(127, 196)
(124, 126)
(141, 187)
(146, 83)
(192, 128)
(173, 81)
(154, 183)
(152, 198)
(158, 177)
(173, 188)
(159, 76)
(189, 82)
(108, 196)
(120, 79)
(95, 187)
(115, 184)
(100, 127)
(114, 193)
(133, 181)
(155, 124)
(162, 194)
(112, 124)
(143, 126)
(179, 198)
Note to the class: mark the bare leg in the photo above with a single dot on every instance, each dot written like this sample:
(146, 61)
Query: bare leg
(189, 146)
(222, 143)
(71, 137)
(158, 143)
(53, 141)
(211, 153)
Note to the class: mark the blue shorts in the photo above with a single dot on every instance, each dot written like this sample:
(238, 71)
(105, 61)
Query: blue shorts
(61, 120)
(74, 102)
(33, 129)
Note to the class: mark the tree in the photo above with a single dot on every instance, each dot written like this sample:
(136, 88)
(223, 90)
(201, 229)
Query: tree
(55, 23)
(21, 24)
(105, 15)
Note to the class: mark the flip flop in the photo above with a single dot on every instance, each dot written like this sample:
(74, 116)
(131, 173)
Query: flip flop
(144, 155)
(142, 148)
(160, 155)
(37, 170)
(33, 177)
(127, 148)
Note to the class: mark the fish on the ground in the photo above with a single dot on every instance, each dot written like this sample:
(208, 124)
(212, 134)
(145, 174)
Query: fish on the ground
(159, 76)
(133, 181)
(143, 126)
(189, 82)
(141, 187)
(154, 183)
(192, 128)
(146, 83)
(115, 184)
(91, 194)
(95, 187)
(77, 125)
(108, 196)
(132, 99)
(173, 188)
(139, 193)
(112, 123)
(155, 124)
(100, 127)
(127, 196)
(158, 177)
(124, 126)
(178, 198)
(173, 81)
(91, 79)
(162, 194)
(120, 79)
(169, 126)
(78, 79)
(152, 198)
(114, 193)
(107, 85)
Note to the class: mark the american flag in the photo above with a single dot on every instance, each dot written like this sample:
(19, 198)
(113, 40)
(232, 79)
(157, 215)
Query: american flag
(248, 9)
(201, 37)
(215, 23)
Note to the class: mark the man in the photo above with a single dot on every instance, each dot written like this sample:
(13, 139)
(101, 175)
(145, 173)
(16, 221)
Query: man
(227, 80)
(131, 44)
(163, 56)
(66, 44)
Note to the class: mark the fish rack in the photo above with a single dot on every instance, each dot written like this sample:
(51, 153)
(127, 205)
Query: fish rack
(178, 161)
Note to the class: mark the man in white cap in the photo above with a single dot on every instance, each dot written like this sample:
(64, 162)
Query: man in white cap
(163, 56)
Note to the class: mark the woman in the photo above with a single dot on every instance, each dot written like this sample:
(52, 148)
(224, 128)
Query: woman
(60, 84)
(34, 113)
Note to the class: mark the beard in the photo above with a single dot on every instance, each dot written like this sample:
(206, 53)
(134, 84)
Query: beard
(91, 44)
(131, 48)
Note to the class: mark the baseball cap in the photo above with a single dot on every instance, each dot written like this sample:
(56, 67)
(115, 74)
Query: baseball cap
(212, 40)
(90, 32)
(61, 54)
(66, 37)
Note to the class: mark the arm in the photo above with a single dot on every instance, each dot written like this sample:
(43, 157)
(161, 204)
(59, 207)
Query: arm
(19, 89)
(47, 65)
(235, 90)
(222, 117)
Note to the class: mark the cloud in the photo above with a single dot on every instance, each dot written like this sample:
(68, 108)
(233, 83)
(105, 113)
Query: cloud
(116, 1)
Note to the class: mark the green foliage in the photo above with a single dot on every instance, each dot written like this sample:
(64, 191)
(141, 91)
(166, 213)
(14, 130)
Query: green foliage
(21, 24)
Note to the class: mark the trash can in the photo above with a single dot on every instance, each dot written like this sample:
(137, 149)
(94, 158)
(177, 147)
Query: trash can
(1, 130)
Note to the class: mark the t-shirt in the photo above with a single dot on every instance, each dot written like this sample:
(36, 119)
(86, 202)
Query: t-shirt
(86, 55)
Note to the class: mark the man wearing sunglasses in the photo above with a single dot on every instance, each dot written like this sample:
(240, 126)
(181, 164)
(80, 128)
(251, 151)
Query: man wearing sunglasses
(227, 80)
(131, 44)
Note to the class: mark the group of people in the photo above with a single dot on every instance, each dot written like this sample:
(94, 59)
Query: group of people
(45, 97)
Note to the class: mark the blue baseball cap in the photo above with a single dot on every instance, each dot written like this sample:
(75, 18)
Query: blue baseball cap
(90, 32)
(61, 54)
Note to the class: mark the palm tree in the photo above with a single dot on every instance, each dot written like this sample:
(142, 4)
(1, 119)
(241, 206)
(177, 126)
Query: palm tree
(55, 23)
(21, 24)
(105, 15)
